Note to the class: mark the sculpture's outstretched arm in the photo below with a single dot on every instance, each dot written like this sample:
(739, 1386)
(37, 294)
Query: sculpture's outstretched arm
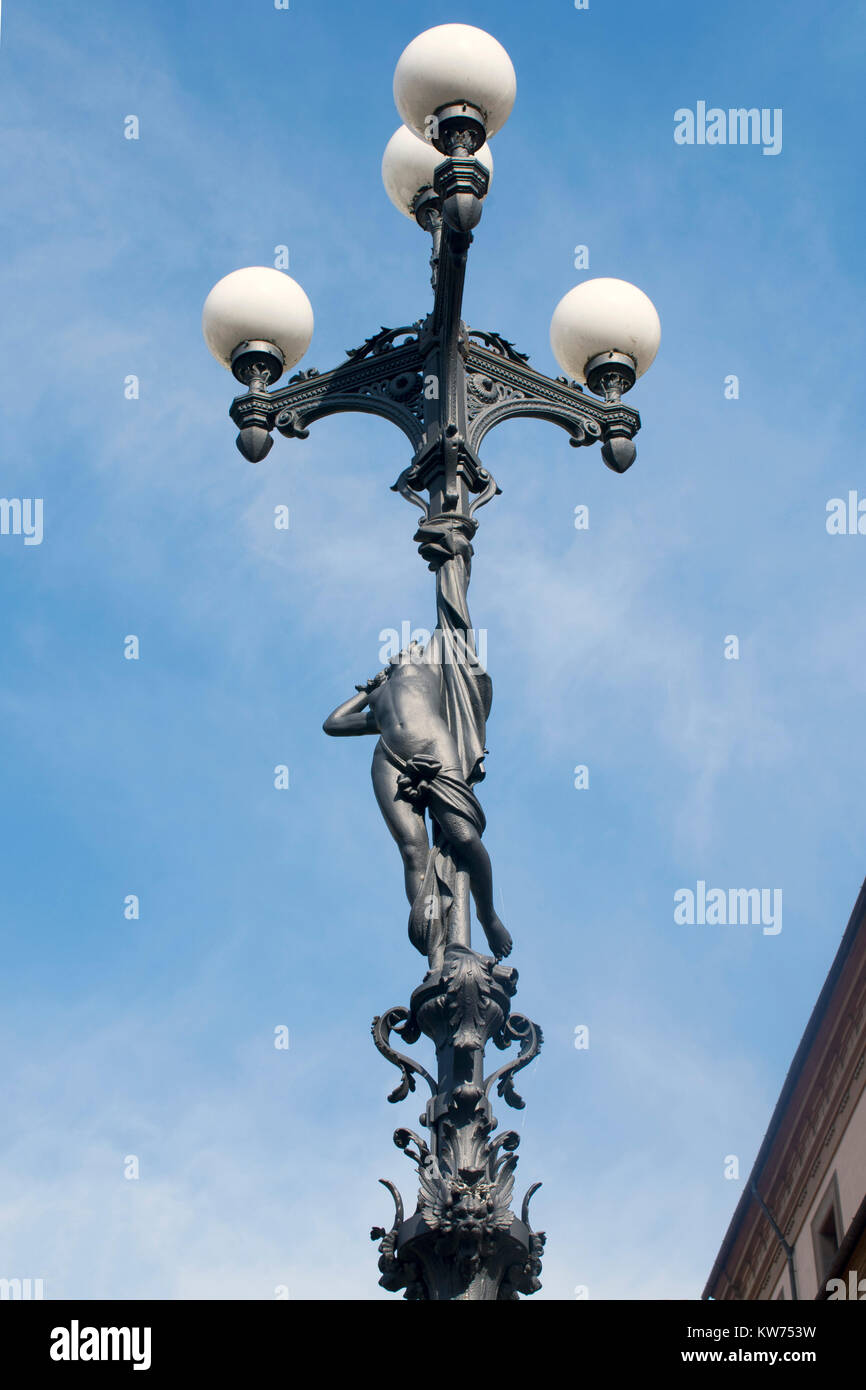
(347, 719)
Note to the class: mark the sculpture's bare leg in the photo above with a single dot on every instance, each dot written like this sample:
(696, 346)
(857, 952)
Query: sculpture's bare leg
(470, 854)
(405, 824)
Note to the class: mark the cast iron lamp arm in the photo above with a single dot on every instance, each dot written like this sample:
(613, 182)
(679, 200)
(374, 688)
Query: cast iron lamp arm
(440, 383)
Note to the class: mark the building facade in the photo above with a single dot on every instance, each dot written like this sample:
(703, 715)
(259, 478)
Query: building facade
(799, 1229)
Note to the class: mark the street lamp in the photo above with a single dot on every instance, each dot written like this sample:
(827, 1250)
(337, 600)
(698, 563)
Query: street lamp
(445, 385)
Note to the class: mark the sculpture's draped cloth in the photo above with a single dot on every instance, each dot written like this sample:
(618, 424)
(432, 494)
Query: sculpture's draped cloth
(467, 692)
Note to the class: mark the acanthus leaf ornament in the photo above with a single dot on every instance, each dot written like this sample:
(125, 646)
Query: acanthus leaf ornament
(383, 341)
(496, 343)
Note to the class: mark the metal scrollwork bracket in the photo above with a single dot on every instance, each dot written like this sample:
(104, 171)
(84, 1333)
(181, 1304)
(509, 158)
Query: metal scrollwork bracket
(517, 1028)
(397, 1020)
(381, 377)
(501, 385)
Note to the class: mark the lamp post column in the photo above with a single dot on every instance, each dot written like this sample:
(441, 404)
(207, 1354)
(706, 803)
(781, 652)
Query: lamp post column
(463, 1241)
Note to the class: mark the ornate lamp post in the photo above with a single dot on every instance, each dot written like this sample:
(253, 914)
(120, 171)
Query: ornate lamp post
(445, 385)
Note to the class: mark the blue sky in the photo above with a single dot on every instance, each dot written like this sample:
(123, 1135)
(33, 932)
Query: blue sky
(154, 1037)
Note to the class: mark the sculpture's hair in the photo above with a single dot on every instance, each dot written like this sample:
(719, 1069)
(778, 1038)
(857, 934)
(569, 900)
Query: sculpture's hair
(406, 654)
